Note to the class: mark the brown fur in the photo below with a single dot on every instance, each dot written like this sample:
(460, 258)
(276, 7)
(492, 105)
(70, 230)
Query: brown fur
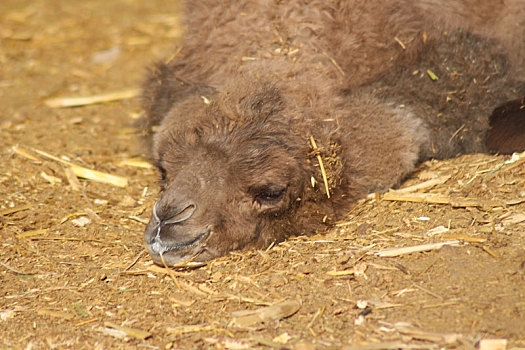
(256, 79)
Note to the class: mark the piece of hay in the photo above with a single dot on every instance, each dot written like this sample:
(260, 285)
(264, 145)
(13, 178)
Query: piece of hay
(55, 313)
(263, 315)
(99, 176)
(420, 186)
(321, 165)
(53, 180)
(391, 252)
(424, 185)
(31, 233)
(85, 322)
(130, 332)
(493, 344)
(72, 179)
(18, 272)
(341, 273)
(137, 163)
(416, 197)
(13, 210)
(63, 102)
(432, 75)
(334, 62)
(403, 46)
(416, 333)
(436, 198)
(25, 154)
(88, 174)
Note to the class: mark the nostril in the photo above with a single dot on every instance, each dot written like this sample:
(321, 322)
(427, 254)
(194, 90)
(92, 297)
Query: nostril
(167, 214)
(184, 212)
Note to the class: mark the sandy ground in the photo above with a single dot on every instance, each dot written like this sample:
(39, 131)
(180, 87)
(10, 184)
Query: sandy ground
(74, 273)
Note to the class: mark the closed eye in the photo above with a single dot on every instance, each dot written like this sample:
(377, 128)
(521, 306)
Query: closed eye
(269, 194)
(162, 172)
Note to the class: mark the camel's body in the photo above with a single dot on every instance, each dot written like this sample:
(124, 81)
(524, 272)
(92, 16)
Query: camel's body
(256, 80)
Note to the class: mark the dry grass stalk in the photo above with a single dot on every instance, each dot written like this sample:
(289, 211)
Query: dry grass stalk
(334, 62)
(72, 179)
(490, 252)
(137, 163)
(272, 344)
(516, 160)
(137, 258)
(493, 344)
(182, 302)
(463, 238)
(416, 333)
(93, 215)
(169, 272)
(516, 164)
(55, 313)
(18, 272)
(31, 233)
(274, 312)
(428, 291)
(416, 197)
(183, 285)
(157, 269)
(13, 210)
(66, 239)
(432, 76)
(72, 215)
(435, 198)
(202, 292)
(341, 273)
(131, 332)
(403, 46)
(99, 176)
(414, 188)
(391, 252)
(88, 174)
(317, 315)
(53, 180)
(424, 185)
(86, 322)
(63, 102)
(24, 153)
(321, 165)
(175, 54)
(138, 219)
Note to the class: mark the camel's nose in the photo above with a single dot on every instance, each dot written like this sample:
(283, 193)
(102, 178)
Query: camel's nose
(175, 215)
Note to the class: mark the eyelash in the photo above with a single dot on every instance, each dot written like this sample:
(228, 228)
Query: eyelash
(162, 172)
(270, 194)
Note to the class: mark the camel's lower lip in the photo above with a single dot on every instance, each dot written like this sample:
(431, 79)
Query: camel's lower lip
(160, 248)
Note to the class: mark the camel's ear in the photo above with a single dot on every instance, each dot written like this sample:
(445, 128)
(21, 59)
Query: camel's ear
(507, 128)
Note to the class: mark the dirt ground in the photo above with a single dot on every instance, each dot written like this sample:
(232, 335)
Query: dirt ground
(74, 273)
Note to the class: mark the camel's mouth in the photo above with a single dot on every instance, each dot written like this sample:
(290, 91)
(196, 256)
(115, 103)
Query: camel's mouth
(174, 254)
(160, 248)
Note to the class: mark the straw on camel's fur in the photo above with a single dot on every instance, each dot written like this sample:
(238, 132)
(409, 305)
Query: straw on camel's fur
(256, 79)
